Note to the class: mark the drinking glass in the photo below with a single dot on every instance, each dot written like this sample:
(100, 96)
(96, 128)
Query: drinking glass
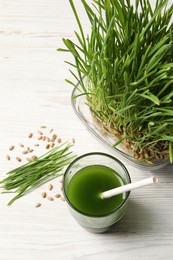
(96, 224)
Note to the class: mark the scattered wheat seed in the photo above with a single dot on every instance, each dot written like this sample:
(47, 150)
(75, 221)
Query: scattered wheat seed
(44, 194)
(7, 157)
(50, 198)
(11, 147)
(24, 152)
(59, 140)
(36, 145)
(47, 139)
(57, 195)
(62, 198)
(51, 131)
(44, 138)
(28, 159)
(50, 187)
(47, 146)
(21, 145)
(40, 137)
(54, 136)
(30, 135)
(43, 126)
(37, 205)
(39, 132)
(60, 180)
(73, 140)
(30, 150)
(18, 159)
(52, 145)
(34, 157)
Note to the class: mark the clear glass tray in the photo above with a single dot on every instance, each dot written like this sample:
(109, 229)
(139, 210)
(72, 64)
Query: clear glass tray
(84, 113)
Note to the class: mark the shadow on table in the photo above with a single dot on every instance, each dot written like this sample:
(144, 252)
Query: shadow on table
(141, 218)
(167, 169)
(138, 219)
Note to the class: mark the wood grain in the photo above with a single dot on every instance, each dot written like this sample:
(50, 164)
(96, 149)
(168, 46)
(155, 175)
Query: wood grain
(33, 92)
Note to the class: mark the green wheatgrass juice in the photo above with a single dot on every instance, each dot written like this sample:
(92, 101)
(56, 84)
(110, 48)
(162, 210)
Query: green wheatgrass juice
(86, 185)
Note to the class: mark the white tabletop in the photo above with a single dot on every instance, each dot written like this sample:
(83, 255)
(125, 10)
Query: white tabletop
(33, 92)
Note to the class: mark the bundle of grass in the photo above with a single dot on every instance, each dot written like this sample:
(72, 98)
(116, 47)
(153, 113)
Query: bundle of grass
(127, 60)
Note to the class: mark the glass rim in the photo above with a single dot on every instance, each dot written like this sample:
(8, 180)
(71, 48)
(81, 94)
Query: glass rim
(90, 154)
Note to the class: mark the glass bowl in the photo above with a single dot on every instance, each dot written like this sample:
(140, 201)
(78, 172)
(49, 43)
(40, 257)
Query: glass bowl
(84, 113)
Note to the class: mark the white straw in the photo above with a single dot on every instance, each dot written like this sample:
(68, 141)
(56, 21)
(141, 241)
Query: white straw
(128, 187)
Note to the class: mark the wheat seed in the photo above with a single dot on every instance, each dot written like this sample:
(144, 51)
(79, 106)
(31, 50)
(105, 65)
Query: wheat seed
(57, 195)
(50, 187)
(21, 145)
(7, 157)
(39, 132)
(11, 147)
(37, 205)
(44, 194)
(54, 136)
(24, 152)
(34, 157)
(60, 180)
(47, 139)
(50, 198)
(18, 159)
(30, 135)
(47, 146)
(44, 138)
(62, 198)
(52, 145)
(59, 140)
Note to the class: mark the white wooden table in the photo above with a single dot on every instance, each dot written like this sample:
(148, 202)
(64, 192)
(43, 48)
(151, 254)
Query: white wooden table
(33, 92)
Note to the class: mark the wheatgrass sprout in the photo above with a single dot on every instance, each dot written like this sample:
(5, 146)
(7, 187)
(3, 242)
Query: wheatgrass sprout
(127, 60)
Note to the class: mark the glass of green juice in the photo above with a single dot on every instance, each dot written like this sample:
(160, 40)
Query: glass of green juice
(84, 180)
